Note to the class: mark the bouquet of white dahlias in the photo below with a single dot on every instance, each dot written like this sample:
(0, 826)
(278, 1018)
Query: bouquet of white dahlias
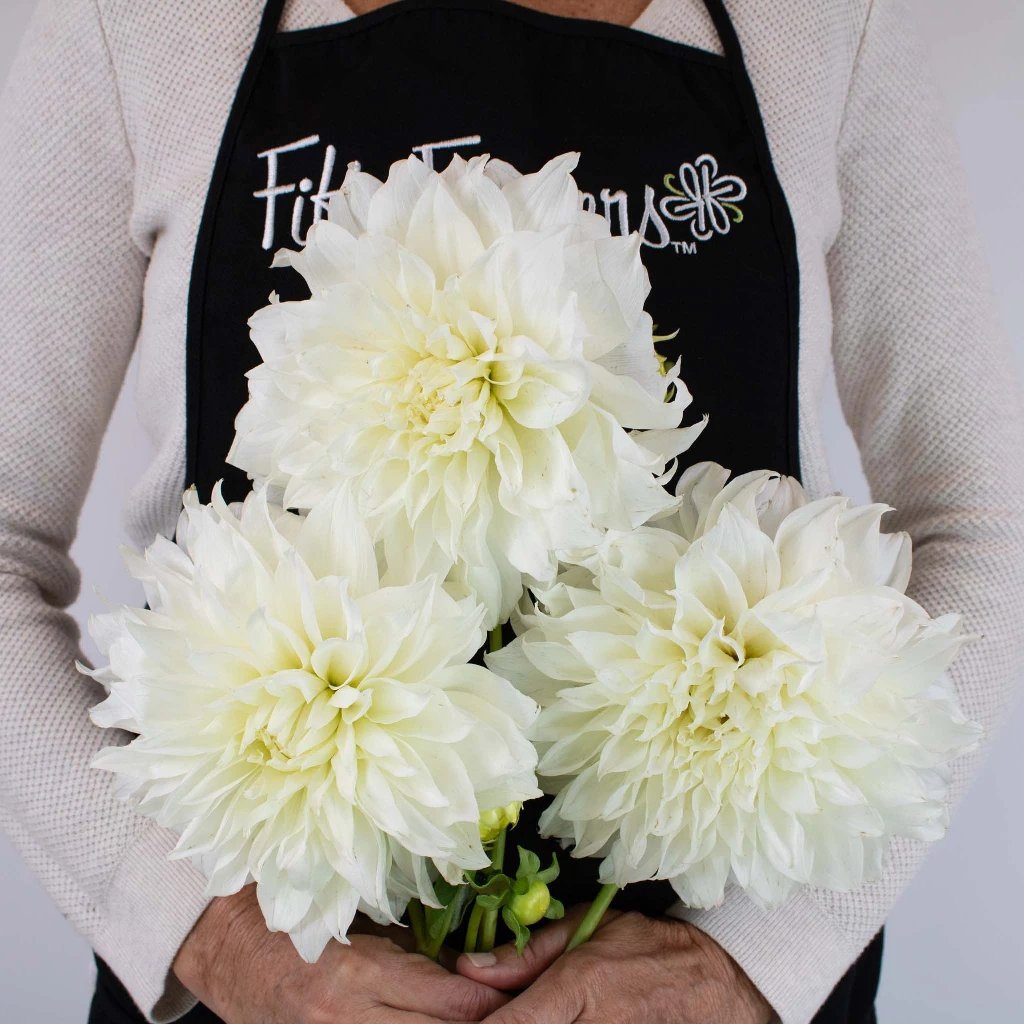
(472, 363)
(301, 725)
(733, 684)
(470, 393)
(740, 692)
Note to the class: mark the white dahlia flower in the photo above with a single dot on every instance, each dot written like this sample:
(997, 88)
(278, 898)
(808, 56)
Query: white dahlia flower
(744, 693)
(303, 727)
(471, 363)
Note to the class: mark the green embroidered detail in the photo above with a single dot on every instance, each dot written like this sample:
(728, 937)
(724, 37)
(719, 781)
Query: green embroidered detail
(737, 213)
(668, 179)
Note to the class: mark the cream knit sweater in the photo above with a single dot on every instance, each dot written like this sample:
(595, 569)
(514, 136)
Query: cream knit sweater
(109, 127)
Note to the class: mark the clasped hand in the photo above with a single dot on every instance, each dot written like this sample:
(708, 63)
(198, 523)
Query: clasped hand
(634, 969)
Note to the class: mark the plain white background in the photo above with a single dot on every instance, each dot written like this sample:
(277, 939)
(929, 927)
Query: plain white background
(954, 948)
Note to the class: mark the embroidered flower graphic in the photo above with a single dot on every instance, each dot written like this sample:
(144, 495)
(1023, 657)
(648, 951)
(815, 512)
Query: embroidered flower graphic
(708, 200)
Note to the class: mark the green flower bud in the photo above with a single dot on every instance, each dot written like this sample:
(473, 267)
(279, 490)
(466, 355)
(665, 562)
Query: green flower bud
(496, 820)
(533, 904)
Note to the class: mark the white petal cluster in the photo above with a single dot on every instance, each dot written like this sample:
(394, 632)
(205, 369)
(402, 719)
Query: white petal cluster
(472, 363)
(302, 726)
(743, 693)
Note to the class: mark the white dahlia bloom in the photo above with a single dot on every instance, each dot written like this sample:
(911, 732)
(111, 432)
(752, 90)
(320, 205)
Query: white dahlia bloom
(303, 727)
(471, 363)
(744, 693)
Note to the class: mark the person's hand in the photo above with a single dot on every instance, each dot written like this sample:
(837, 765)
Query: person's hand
(249, 975)
(633, 969)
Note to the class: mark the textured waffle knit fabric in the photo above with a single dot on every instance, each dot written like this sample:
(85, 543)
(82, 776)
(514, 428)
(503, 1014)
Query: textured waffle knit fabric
(109, 128)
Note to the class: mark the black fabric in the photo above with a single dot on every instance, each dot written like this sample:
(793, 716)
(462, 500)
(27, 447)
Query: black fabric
(672, 144)
(111, 1003)
(853, 999)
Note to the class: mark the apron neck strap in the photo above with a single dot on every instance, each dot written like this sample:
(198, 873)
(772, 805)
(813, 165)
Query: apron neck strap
(726, 32)
(730, 41)
(272, 11)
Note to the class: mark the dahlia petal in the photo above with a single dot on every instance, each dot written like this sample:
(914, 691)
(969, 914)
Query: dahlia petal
(350, 205)
(390, 209)
(439, 230)
(547, 198)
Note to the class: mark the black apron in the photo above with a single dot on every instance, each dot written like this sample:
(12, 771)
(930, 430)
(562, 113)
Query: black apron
(672, 145)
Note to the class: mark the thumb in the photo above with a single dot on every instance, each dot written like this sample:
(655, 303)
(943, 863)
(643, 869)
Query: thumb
(508, 970)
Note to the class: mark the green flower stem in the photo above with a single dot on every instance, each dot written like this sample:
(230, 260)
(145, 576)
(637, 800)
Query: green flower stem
(419, 928)
(473, 928)
(589, 924)
(489, 922)
(494, 639)
(433, 949)
(488, 931)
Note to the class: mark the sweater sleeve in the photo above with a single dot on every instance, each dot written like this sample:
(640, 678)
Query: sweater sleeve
(928, 385)
(71, 295)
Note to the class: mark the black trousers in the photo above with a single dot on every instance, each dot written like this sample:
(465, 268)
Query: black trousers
(852, 1001)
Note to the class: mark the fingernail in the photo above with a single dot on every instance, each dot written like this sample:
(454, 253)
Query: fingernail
(481, 959)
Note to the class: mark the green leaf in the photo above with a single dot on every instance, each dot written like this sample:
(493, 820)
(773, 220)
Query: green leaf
(529, 863)
(555, 911)
(549, 874)
(437, 924)
(445, 892)
(495, 885)
(521, 932)
(490, 902)
(460, 904)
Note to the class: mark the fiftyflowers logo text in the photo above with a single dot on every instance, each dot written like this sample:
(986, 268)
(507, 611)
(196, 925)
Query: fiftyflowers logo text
(300, 178)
